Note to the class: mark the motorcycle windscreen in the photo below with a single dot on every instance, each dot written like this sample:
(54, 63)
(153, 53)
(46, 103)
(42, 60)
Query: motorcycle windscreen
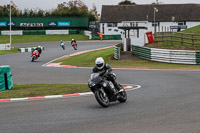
(95, 78)
(35, 51)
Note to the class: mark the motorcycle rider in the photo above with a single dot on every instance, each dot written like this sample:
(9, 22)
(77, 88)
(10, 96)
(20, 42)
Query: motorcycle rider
(104, 68)
(74, 46)
(39, 49)
(61, 43)
(73, 41)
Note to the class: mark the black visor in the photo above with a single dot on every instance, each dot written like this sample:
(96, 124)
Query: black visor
(99, 65)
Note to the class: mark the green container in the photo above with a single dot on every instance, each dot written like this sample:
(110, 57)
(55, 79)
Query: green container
(95, 37)
(112, 37)
(6, 82)
(106, 37)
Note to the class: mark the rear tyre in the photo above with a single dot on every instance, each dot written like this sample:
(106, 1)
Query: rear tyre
(122, 95)
(102, 98)
(75, 47)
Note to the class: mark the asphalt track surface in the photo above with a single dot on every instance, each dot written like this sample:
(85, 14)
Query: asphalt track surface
(167, 102)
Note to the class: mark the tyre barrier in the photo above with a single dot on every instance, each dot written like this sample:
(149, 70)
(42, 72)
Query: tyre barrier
(167, 56)
(21, 50)
(6, 82)
(117, 53)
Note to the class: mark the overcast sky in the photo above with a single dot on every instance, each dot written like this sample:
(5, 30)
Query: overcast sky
(51, 4)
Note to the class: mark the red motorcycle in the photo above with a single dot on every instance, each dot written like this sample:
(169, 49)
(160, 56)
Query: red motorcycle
(74, 45)
(34, 55)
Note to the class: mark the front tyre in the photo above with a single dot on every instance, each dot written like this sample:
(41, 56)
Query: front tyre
(122, 95)
(102, 98)
(33, 58)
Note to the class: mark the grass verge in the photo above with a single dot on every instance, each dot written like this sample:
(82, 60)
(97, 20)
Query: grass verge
(12, 51)
(176, 40)
(40, 38)
(32, 90)
(87, 60)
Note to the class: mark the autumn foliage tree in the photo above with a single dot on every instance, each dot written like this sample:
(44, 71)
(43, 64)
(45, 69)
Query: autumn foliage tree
(127, 2)
(74, 8)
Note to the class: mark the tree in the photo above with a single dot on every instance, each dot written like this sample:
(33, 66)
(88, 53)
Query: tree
(41, 13)
(155, 3)
(94, 11)
(5, 10)
(70, 9)
(74, 8)
(127, 2)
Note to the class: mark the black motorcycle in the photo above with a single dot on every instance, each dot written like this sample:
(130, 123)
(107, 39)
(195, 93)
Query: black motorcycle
(105, 91)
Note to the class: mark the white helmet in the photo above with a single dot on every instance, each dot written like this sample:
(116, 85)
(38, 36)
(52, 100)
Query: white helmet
(99, 62)
(72, 39)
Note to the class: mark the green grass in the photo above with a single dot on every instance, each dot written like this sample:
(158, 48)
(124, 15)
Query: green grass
(32, 90)
(13, 50)
(40, 38)
(195, 30)
(88, 59)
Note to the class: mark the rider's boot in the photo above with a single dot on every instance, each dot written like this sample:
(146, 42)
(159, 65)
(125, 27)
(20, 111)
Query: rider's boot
(118, 87)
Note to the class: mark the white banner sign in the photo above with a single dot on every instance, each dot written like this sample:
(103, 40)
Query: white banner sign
(31, 24)
(5, 46)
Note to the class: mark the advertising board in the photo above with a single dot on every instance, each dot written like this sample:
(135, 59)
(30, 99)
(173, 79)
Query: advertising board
(63, 23)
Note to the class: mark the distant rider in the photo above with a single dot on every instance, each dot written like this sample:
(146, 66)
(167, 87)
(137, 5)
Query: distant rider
(61, 43)
(104, 68)
(73, 41)
(39, 49)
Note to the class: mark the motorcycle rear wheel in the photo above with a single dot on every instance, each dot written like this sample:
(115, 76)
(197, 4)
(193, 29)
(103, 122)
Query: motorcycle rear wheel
(75, 47)
(102, 98)
(122, 95)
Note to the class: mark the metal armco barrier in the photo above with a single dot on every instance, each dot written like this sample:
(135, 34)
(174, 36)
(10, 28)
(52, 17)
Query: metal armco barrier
(166, 55)
(198, 57)
(142, 52)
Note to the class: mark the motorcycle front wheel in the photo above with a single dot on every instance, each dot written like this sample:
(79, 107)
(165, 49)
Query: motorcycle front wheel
(33, 58)
(102, 98)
